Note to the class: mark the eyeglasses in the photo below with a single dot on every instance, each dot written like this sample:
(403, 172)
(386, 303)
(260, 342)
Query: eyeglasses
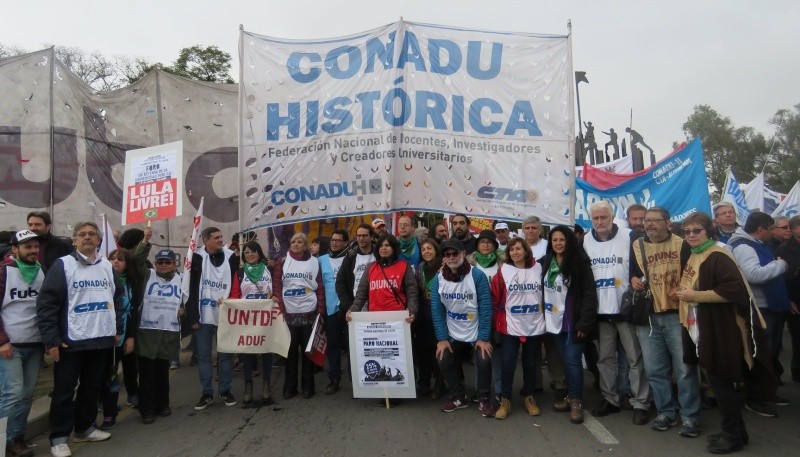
(694, 231)
(450, 254)
(336, 240)
(163, 262)
(653, 221)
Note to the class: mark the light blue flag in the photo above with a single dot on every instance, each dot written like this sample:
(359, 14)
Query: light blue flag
(734, 195)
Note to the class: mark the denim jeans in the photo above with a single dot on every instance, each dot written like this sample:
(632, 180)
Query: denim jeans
(571, 352)
(17, 381)
(662, 350)
(205, 336)
(509, 348)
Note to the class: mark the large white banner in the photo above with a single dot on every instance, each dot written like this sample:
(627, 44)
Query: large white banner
(406, 117)
(381, 362)
(252, 327)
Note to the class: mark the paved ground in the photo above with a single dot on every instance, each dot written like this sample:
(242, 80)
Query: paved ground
(338, 425)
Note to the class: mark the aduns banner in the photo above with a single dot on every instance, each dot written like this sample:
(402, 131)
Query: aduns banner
(679, 184)
(406, 117)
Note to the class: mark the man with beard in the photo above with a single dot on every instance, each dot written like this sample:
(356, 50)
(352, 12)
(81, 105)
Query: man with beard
(378, 227)
(460, 224)
(440, 233)
(461, 307)
(51, 247)
(330, 264)
(502, 233)
(635, 219)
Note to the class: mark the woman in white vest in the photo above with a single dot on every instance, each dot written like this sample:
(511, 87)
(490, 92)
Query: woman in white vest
(297, 287)
(255, 283)
(519, 319)
(570, 310)
(157, 335)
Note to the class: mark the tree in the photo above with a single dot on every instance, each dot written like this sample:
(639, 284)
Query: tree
(783, 164)
(203, 63)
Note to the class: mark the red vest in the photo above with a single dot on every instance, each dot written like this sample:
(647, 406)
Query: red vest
(381, 297)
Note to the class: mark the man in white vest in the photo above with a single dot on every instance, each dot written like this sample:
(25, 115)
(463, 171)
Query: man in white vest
(461, 307)
(608, 246)
(210, 282)
(79, 309)
(21, 347)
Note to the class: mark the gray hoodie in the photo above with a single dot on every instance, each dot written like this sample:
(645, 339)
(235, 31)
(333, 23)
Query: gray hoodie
(755, 273)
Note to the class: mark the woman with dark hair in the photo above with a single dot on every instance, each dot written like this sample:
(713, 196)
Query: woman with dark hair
(570, 310)
(519, 320)
(389, 283)
(299, 276)
(123, 265)
(255, 283)
(717, 312)
(422, 334)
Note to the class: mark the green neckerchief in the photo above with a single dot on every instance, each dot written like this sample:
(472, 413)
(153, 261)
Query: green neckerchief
(27, 270)
(123, 278)
(552, 272)
(706, 244)
(486, 260)
(407, 246)
(254, 272)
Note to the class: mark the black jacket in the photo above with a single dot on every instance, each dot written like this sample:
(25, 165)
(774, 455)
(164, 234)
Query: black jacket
(582, 293)
(790, 252)
(51, 248)
(346, 280)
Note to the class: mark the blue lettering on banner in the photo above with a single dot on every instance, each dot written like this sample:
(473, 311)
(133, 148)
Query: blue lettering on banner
(208, 302)
(91, 307)
(295, 292)
(17, 293)
(329, 190)
(163, 290)
(503, 194)
(524, 309)
(604, 282)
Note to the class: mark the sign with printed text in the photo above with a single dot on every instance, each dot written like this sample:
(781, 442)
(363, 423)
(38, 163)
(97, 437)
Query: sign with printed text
(381, 362)
(252, 327)
(153, 187)
(406, 117)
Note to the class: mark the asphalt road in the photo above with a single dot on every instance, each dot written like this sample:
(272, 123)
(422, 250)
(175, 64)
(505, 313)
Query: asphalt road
(338, 425)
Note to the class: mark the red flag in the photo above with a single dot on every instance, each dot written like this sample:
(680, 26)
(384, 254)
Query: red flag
(317, 347)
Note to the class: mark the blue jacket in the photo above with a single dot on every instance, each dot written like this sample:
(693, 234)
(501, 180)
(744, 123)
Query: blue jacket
(439, 313)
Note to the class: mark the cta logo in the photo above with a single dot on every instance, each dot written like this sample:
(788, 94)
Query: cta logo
(300, 292)
(508, 195)
(92, 307)
(460, 316)
(359, 187)
(605, 282)
(524, 309)
(210, 302)
(256, 296)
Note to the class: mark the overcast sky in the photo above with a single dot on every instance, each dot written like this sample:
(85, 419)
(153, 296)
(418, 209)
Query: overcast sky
(659, 59)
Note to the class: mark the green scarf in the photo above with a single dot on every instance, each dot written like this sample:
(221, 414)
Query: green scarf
(407, 246)
(486, 260)
(123, 278)
(28, 271)
(552, 272)
(706, 244)
(254, 272)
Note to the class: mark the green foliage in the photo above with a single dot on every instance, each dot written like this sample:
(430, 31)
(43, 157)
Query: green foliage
(783, 165)
(204, 64)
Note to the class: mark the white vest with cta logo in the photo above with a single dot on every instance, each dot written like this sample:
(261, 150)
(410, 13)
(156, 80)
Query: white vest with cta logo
(555, 300)
(460, 300)
(300, 285)
(610, 268)
(160, 305)
(261, 289)
(215, 283)
(523, 300)
(19, 307)
(90, 299)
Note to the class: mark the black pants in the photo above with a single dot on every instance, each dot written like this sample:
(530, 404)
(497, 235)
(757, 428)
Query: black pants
(423, 343)
(300, 336)
(730, 399)
(70, 411)
(153, 386)
(110, 386)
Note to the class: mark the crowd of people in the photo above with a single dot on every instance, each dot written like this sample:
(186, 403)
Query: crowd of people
(718, 299)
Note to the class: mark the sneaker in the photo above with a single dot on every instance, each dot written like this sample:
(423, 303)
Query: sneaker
(96, 435)
(760, 408)
(504, 409)
(604, 409)
(205, 400)
(689, 429)
(485, 408)
(108, 423)
(777, 401)
(133, 401)
(457, 402)
(228, 398)
(662, 423)
(174, 365)
(60, 450)
(531, 406)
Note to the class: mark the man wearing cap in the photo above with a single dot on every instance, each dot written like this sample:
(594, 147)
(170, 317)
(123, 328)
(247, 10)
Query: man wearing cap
(79, 311)
(460, 225)
(461, 307)
(21, 347)
(51, 247)
(409, 245)
(378, 227)
(502, 233)
(158, 334)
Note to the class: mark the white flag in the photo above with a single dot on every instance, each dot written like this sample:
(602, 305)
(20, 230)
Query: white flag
(735, 196)
(108, 243)
(187, 261)
(790, 206)
(754, 193)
